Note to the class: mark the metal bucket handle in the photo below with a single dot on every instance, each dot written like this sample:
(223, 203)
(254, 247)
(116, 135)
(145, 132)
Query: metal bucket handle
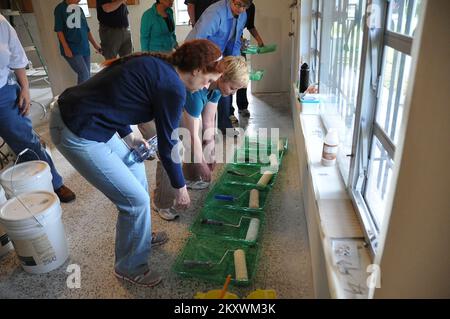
(12, 187)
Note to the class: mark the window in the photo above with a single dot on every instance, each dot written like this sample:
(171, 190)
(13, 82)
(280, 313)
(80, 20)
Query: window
(316, 20)
(181, 13)
(363, 76)
(340, 59)
(84, 5)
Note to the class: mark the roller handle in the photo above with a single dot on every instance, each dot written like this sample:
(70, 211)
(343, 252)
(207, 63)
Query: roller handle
(227, 198)
(212, 222)
(195, 263)
(235, 173)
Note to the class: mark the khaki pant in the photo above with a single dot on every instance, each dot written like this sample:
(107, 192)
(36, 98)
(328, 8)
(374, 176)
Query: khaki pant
(164, 193)
(115, 41)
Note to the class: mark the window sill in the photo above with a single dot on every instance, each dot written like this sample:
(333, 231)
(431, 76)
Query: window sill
(335, 216)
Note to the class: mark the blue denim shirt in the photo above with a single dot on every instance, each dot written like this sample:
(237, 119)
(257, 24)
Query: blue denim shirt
(155, 35)
(216, 24)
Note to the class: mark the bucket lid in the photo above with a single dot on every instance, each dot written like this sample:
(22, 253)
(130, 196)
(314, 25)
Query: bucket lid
(37, 203)
(24, 171)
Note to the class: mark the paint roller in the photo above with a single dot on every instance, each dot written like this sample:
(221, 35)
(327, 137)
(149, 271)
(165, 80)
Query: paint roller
(265, 179)
(252, 231)
(238, 173)
(240, 264)
(273, 160)
(254, 199)
(228, 198)
(281, 145)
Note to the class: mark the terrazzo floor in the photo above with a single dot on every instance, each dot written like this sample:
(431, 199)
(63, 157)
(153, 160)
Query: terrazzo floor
(89, 222)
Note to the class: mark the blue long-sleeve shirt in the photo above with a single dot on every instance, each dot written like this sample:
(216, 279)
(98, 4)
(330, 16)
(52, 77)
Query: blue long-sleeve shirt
(139, 90)
(216, 25)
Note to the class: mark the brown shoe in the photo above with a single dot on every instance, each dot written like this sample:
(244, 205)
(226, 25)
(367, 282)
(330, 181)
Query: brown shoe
(65, 194)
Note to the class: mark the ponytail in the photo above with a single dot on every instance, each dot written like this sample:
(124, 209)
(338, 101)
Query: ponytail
(192, 55)
(121, 60)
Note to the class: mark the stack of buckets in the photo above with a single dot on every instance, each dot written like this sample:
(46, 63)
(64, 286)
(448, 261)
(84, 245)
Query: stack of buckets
(30, 220)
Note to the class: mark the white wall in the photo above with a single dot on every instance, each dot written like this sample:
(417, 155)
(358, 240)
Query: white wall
(272, 20)
(60, 74)
(416, 256)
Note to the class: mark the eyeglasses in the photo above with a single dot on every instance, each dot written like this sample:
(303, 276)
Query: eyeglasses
(240, 5)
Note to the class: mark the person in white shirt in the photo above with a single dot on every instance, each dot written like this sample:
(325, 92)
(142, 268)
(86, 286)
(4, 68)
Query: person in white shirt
(15, 127)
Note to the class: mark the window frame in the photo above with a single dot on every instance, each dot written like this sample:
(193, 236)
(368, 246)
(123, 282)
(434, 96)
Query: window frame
(375, 43)
(177, 5)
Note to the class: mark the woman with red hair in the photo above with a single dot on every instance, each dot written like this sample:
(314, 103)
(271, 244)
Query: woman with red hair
(90, 126)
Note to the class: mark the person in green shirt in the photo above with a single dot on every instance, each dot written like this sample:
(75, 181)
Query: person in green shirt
(158, 28)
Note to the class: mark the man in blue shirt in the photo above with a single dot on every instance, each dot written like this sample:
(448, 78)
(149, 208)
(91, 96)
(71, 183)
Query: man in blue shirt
(74, 39)
(223, 23)
(114, 31)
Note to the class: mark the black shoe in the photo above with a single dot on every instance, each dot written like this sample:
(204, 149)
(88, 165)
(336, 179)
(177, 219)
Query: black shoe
(65, 194)
(244, 113)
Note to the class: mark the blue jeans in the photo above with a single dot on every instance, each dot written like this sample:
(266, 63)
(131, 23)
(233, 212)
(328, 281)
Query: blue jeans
(102, 165)
(81, 65)
(17, 131)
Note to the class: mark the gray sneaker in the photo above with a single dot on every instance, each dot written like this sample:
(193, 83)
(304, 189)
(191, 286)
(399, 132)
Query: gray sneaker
(197, 185)
(159, 238)
(244, 113)
(168, 214)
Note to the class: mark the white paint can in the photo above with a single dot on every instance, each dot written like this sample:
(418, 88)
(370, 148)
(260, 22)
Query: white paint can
(5, 243)
(26, 177)
(33, 223)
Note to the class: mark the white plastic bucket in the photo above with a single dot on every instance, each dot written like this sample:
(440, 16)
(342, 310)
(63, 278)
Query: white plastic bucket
(2, 196)
(27, 177)
(37, 234)
(5, 243)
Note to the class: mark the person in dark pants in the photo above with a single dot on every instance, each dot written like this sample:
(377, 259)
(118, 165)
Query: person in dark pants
(114, 31)
(241, 95)
(74, 39)
(16, 129)
(196, 8)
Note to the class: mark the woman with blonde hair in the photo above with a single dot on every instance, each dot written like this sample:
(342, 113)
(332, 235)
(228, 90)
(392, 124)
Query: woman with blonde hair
(202, 103)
